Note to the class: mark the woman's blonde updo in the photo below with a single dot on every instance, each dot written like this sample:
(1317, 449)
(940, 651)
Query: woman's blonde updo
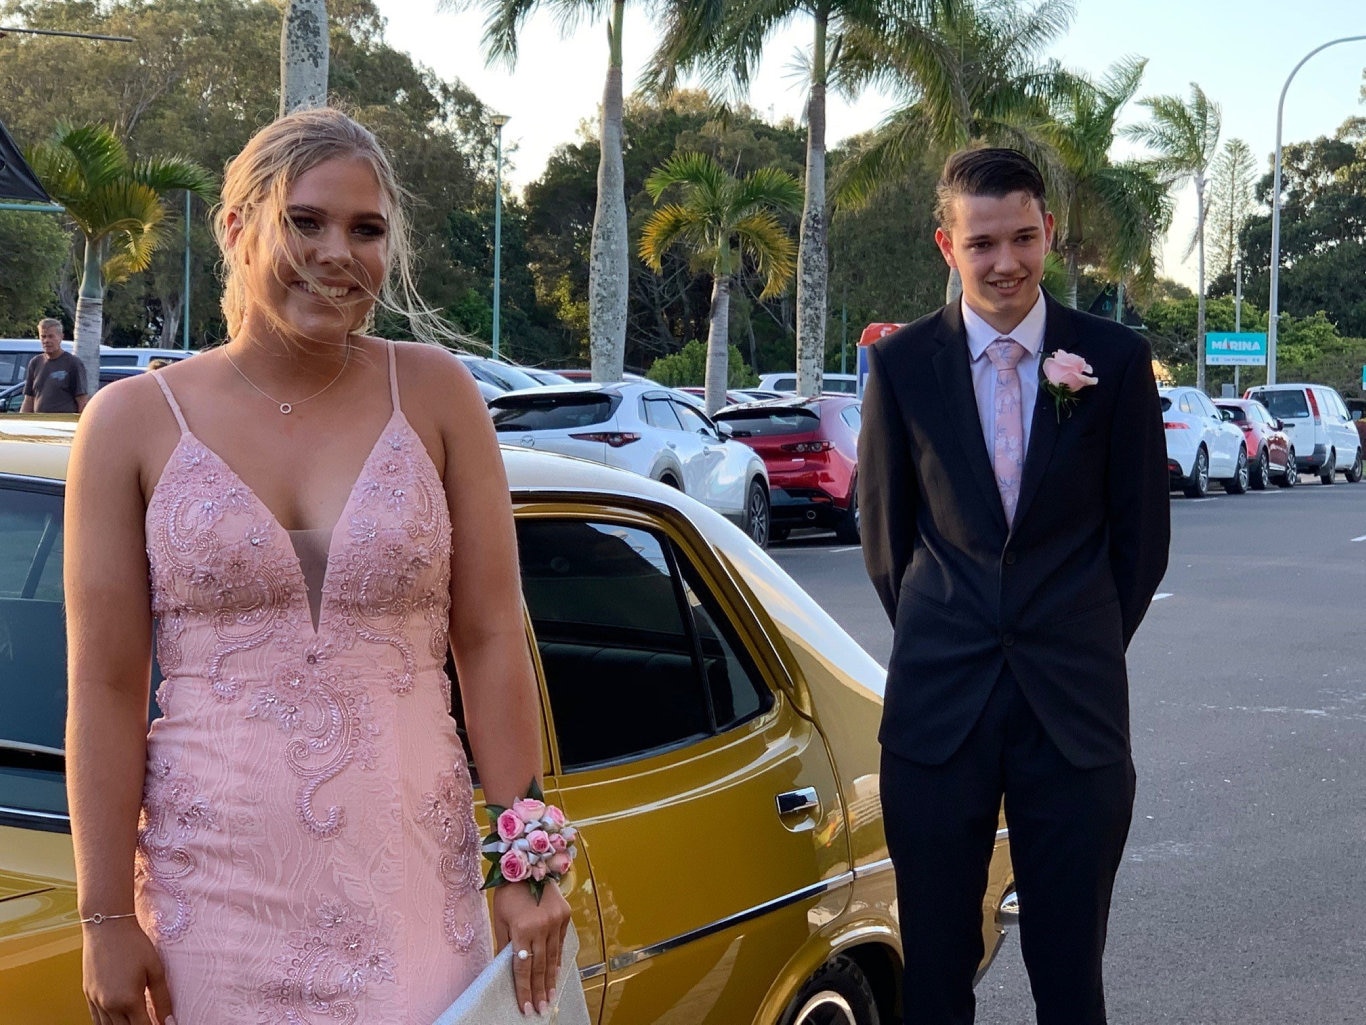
(256, 186)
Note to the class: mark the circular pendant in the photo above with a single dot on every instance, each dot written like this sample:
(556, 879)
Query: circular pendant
(286, 408)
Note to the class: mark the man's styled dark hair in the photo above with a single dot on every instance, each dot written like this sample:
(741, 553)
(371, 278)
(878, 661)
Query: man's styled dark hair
(985, 172)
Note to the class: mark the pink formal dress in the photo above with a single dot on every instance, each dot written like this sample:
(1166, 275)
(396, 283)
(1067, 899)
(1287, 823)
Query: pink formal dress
(307, 852)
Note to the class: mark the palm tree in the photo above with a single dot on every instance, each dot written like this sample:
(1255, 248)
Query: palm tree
(1109, 214)
(975, 74)
(835, 59)
(722, 220)
(119, 206)
(609, 251)
(1184, 137)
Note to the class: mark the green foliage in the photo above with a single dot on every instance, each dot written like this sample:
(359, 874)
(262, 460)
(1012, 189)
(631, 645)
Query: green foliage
(688, 368)
(33, 252)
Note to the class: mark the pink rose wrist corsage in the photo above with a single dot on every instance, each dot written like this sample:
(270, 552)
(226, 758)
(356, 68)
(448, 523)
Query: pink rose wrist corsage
(529, 843)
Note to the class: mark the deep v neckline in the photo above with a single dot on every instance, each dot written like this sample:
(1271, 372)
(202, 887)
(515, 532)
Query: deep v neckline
(280, 531)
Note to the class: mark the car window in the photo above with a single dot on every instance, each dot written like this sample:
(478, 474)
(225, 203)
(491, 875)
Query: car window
(1207, 406)
(1237, 412)
(13, 365)
(1184, 404)
(773, 421)
(1287, 404)
(1166, 403)
(853, 416)
(637, 655)
(660, 413)
(32, 647)
(545, 412)
(692, 420)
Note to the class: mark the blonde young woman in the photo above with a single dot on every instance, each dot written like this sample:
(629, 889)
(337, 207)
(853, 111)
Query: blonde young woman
(306, 516)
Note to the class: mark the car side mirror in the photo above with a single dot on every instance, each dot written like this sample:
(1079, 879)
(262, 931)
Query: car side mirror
(724, 430)
(1280, 424)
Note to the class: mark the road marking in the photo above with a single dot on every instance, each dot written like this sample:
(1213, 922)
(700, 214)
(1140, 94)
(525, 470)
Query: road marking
(841, 551)
(1164, 594)
(1361, 538)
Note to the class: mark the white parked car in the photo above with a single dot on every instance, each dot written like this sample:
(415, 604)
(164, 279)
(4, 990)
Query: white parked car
(648, 429)
(845, 384)
(1203, 444)
(1325, 438)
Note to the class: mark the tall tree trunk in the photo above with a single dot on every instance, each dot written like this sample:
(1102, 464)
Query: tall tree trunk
(813, 272)
(608, 267)
(1200, 295)
(90, 315)
(303, 56)
(1073, 273)
(718, 344)
(953, 288)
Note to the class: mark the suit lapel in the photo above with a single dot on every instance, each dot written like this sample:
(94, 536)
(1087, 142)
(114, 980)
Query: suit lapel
(954, 374)
(1044, 427)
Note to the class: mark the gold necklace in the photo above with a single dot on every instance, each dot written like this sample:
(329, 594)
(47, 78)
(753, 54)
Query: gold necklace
(288, 407)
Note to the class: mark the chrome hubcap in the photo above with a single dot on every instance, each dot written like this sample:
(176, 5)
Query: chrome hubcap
(827, 1008)
(758, 517)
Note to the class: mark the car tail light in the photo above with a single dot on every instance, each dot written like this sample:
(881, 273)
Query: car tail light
(1313, 406)
(1175, 425)
(616, 439)
(808, 446)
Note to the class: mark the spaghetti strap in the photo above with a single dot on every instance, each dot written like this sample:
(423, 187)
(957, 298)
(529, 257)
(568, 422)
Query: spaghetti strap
(393, 375)
(170, 399)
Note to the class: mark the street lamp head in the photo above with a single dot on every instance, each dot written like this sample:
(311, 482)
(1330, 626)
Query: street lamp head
(499, 120)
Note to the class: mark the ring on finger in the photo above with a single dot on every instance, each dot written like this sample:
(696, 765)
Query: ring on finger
(523, 954)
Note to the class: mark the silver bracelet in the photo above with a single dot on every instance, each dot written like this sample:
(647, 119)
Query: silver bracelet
(99, 919)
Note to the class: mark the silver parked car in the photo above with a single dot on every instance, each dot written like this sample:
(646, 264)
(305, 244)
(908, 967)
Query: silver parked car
(648, 429)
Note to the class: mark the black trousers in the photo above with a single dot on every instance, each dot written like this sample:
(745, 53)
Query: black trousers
(1067, 833)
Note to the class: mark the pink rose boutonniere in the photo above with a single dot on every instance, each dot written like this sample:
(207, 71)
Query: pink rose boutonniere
(1065, 374)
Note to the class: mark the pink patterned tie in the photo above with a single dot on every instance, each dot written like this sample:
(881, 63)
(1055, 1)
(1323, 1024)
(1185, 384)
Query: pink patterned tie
(1007, 446)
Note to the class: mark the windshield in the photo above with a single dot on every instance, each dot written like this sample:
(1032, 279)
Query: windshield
(552, 412)
(764, 423)
(1284, 404)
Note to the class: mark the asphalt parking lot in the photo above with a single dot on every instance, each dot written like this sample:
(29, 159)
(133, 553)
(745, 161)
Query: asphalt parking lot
(1243, 891)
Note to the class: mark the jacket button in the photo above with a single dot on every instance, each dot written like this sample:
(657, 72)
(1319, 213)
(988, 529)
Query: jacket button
(1008, 640)
(1010, 558)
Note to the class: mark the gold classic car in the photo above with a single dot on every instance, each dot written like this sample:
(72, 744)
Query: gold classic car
(708, 726)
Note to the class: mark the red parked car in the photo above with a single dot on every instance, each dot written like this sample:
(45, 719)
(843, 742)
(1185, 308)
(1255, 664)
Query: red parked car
(810, 448)
(1270, 453)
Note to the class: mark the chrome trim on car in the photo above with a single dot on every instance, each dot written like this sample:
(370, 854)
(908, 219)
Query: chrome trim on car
(593, 971)
(629, 958)
(872, 868)
(1002, 834)
(26, 813)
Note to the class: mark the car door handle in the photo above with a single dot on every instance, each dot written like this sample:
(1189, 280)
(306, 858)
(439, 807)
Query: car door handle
(793, 801)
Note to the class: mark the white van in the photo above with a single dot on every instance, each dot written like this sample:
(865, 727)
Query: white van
(845, 384)
(138, 357)
(15, 354)
(1320, 428)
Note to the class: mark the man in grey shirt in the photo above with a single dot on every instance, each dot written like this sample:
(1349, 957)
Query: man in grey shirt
(56, 379)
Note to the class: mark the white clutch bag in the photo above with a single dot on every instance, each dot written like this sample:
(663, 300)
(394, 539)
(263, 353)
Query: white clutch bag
(491, 999)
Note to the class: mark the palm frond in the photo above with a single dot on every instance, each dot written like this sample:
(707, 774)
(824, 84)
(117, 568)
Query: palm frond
(670, 225)
(769, 245)
(896, 145)
(768, 187)
(171, 173)
(691, 169)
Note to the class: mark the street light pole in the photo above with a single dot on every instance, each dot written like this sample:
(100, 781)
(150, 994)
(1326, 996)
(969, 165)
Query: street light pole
(498, 120)
(1272, 312)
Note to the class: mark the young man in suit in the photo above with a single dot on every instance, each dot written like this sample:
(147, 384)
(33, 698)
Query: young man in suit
(1015, 533)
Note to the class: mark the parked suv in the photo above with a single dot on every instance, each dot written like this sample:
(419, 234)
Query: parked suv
(1320, 428)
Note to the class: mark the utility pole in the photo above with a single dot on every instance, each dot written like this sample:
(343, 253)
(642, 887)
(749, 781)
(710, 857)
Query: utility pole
(303, 56)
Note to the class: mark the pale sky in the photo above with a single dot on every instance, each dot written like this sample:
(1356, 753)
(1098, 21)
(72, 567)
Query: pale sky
(1240, 54)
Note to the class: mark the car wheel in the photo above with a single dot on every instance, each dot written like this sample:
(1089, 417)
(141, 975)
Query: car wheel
(1261, 475)
(1292, 473)
(838, 994)
(670, 480)
(756, 513)
(1198, 485)
(1329, 469)
(1237, 484)
(847, 529)
(1353, 473)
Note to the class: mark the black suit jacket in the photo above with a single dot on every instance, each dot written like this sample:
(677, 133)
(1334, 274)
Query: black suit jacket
(1059, 596)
